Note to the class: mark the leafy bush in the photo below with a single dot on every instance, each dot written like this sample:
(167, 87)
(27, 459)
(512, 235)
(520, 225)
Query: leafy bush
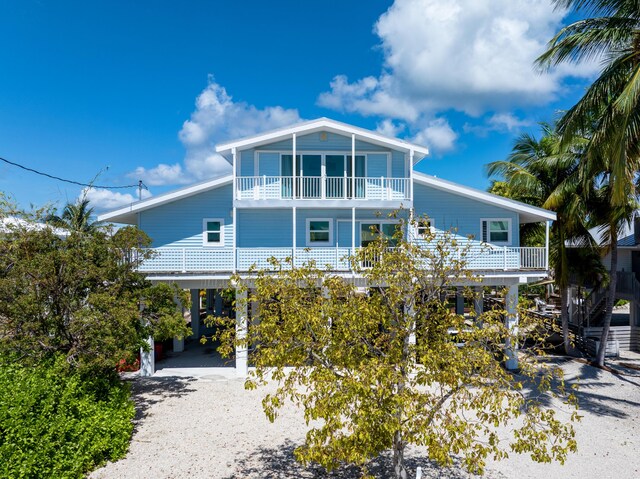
(57, 424)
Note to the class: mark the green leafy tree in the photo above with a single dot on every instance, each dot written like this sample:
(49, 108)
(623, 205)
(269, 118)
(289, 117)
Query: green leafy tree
(392, 366)
(80, 296)
(544, 172)
(609, 110)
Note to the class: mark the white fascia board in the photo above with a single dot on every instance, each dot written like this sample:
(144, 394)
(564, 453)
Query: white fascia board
(531, 214)
(323, 124)
(127, 214)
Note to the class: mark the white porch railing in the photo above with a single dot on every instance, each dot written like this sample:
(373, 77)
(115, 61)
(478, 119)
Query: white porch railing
(479, 258)
(321, 187)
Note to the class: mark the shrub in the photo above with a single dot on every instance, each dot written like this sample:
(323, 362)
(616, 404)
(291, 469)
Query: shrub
(59, 424)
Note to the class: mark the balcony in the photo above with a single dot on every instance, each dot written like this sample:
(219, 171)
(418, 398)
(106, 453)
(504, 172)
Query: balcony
(201, 260)
(322, 188)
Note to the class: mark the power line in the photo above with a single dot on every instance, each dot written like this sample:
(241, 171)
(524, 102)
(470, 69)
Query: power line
(137, 185)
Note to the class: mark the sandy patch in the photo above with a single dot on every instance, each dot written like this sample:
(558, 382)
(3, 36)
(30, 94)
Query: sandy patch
(211, 427)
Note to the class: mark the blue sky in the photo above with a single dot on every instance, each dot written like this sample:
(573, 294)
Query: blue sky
(146, 88)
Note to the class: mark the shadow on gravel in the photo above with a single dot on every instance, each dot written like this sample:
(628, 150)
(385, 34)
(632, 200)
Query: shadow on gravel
(279, 463)
(146, 392)
(591, 382)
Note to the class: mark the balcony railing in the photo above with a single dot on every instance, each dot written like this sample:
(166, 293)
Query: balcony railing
(321, 187)
(188, 260)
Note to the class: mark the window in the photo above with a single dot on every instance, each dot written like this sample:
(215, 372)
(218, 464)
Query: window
(319, 231)
(424, 227)
(497, 231)
(370, 231)
(212, 232)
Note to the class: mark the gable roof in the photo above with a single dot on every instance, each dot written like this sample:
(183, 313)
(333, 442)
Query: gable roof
(528, 213)
(127, 214)
(323, 124)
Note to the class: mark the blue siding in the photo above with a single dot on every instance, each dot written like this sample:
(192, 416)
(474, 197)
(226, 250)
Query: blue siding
(313, 142)
(377, 165)
(464, 214)
(269, 164)
(179, 224)
(398, 167)
(264, 228)
(247, 167)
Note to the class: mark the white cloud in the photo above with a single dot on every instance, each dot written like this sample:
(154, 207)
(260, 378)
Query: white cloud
(473, 56)
(507, 121)
(160, 175)
(102, 199)
(216, 118)
(437, 135)
(388, 127)
(500, 122)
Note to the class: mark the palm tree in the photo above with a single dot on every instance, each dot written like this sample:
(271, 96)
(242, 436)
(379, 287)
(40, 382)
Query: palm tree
(546, 174)
(609, 110)
(75, 217)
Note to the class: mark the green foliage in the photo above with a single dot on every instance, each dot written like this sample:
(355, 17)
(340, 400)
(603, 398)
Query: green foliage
(348, 357)
(55, 424)
(80, 296)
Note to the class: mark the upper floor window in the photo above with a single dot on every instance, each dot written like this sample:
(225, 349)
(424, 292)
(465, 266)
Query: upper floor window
(319, 231)
(496, 230)
(424, 227)
(212, 232)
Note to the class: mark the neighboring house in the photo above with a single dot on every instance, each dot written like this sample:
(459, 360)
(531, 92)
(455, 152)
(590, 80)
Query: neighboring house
(313, 191)
(12, 223)
(587, 304)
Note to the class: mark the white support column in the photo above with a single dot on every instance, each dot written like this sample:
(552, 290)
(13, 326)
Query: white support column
(353, 165)
(511, 322)
(353, 230)
(178, 343)
(478, 301)
(546, 245)
(293, 236)
(235, 239)
(195, 313)
(411, 154)
(147, 359)
(293, 166)
(235, 173)
(242, 353)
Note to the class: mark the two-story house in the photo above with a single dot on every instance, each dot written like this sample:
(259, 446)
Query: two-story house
(314, 191)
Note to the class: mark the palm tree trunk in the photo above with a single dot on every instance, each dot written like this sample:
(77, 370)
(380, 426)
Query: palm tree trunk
(564, 319)
(611, 296)
(399, 468)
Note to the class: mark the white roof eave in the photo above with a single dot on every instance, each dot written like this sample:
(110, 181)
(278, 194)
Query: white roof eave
(323, 124)
(127, 214)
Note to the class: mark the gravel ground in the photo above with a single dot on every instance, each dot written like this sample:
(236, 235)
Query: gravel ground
(210, 427)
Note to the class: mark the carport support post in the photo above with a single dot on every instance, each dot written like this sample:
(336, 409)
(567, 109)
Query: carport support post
(195, 313)
(242, 365)
(511, 322)
(478, 301)
(460, 300)
(147, 359)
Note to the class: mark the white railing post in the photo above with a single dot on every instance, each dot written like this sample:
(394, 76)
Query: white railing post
(344, 189)
(184, 260)
(382, 189)
(264, 187)
(505, 257)
(323, 187)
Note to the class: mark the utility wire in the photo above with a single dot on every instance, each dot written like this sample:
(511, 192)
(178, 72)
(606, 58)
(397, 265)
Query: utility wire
(137, 185)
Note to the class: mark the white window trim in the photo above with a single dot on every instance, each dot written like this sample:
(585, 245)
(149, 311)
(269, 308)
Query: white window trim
(432, 226)
(498, 243)
(205, 231)
(372, 221)
(308, 232)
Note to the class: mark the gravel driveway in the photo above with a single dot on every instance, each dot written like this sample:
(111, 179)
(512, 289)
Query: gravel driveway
(211, 427)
